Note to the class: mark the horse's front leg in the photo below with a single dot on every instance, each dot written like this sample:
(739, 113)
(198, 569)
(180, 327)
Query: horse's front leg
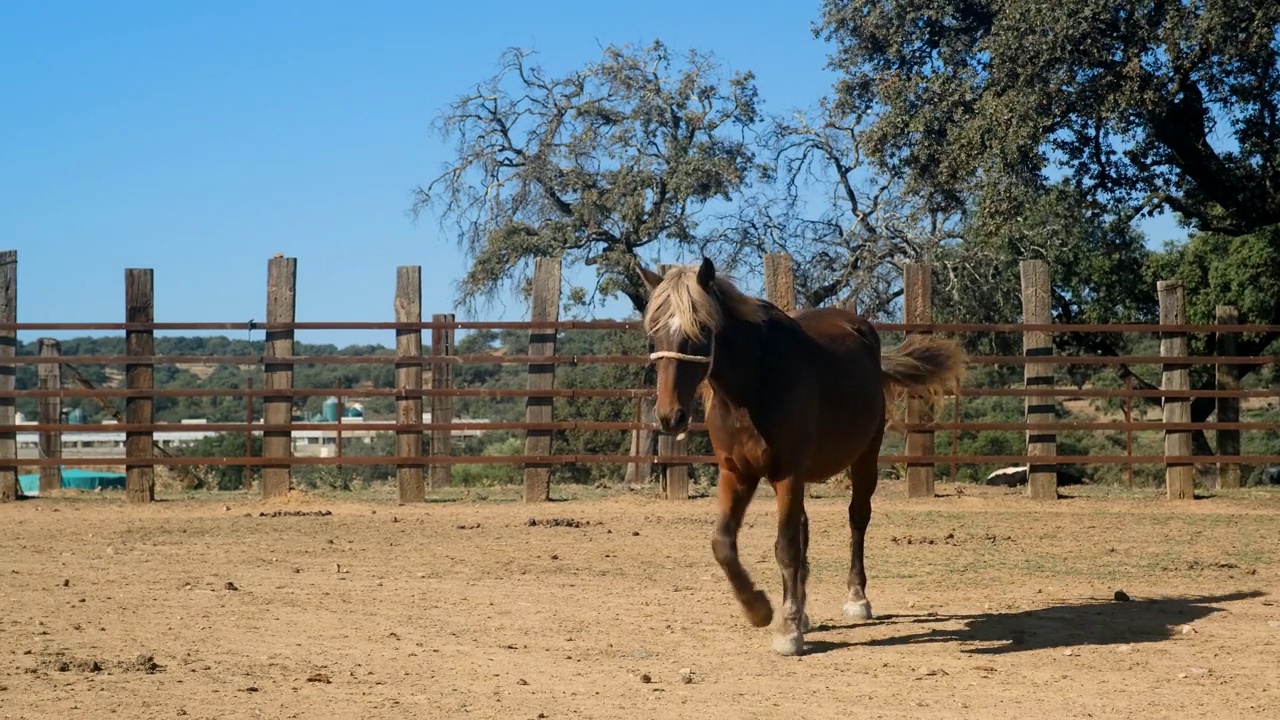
(734, 494)
(789, 549)
(804, 574)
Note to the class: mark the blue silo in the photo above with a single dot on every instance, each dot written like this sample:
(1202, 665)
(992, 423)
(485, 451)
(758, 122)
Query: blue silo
(330, 409)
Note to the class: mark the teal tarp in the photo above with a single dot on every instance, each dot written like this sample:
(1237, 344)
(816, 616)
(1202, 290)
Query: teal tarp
(74, 480)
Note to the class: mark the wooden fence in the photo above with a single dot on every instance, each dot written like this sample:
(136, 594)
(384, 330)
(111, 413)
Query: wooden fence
(278, 392)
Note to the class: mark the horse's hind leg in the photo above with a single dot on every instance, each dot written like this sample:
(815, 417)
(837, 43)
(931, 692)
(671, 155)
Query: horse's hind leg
(863, 475)
(734, 494)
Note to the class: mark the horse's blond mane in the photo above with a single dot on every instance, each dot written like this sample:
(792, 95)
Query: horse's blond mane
(683, 308)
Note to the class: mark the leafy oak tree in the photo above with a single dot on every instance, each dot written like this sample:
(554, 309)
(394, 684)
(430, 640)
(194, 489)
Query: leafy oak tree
(595, 165)
(1141, 104)
(1218, 269)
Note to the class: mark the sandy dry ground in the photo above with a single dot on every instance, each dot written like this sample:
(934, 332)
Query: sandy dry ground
(989, 606)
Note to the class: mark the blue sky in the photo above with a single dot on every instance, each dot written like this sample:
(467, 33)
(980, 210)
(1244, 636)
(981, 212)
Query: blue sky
(200, 139)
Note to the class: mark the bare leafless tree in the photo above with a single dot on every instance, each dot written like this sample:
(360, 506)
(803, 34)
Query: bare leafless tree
(848, 227)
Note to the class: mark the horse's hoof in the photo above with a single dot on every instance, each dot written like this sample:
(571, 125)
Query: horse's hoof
(758, 609)
(857, 609)
(788, 644)
(804, 623)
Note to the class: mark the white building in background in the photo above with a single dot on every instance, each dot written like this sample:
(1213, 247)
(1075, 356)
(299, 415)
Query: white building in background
(98, 440)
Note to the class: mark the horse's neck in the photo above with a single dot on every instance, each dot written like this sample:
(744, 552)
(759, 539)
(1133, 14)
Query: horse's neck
(735, 372)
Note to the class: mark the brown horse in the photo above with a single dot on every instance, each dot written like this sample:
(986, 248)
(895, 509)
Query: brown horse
(792, 399)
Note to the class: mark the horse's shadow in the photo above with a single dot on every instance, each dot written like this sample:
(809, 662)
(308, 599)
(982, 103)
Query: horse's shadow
(1058, 626)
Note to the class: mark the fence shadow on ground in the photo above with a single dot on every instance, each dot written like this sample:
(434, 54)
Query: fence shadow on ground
(1056, 626)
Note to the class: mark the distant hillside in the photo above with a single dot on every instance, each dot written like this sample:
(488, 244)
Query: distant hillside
(216, 409)
(227, 409)
(588, 342)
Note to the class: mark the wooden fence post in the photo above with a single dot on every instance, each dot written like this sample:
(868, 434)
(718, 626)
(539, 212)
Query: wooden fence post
(1228, 407)
(8, 375)
(408, 307)
(676, 475)
(1128, 432)
(49, 377)
(139, 307)
(666, 449)
(917, 308)
(1179, 476)
(639, 471)
(442, 405)
(246, 478)
(277, 445)
(780, 281)
(544, 308)
(1042, 446)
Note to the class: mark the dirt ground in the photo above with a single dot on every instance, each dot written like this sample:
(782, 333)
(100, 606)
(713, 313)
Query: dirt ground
(988, 606)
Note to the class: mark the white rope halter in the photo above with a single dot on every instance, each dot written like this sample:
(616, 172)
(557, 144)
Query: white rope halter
(672, 355)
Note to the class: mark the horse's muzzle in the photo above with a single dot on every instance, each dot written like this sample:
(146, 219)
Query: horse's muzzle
(677, 421)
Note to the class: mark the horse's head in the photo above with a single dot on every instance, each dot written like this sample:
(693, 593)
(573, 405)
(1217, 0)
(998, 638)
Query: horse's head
(684, 314)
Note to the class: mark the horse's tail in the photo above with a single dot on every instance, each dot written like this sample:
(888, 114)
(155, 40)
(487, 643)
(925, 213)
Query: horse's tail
(923, 365)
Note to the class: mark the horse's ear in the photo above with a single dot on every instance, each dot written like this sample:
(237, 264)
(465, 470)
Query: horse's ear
(706, 273)
(651, 278)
